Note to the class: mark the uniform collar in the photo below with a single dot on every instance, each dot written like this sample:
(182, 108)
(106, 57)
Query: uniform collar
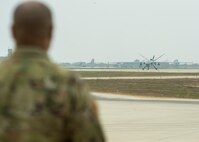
(30, 52)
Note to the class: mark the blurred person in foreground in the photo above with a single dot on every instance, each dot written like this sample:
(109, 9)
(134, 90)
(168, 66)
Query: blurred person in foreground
(39, 102)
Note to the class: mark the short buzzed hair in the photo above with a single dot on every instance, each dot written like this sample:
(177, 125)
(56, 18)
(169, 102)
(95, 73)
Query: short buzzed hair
(32, 18)
(32, 9)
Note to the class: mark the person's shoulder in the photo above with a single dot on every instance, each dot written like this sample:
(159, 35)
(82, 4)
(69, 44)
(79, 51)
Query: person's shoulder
(78, 89)
(7, 67)
(69, 77)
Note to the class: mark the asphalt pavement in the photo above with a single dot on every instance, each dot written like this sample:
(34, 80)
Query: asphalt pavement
(140, 119)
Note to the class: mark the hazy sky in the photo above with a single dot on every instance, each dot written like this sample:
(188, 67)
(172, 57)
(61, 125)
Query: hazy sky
(116, 30)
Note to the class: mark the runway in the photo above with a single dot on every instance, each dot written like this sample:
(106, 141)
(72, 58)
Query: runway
(140, 119)
(142, 77)
(140, 70)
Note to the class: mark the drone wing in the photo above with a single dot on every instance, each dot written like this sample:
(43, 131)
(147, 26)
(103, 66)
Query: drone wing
(144, 57)
(159, 57)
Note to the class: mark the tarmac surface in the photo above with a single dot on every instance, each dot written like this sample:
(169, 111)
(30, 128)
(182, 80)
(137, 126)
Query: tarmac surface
(141, 77)
(140, 70)
(140, 119)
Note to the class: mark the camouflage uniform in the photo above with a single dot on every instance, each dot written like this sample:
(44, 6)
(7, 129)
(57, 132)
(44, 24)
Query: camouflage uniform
(39, 102)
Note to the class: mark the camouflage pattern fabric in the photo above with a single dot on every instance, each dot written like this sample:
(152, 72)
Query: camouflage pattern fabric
(39, 102)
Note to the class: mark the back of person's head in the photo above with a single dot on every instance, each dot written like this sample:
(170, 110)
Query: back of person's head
(32, 25)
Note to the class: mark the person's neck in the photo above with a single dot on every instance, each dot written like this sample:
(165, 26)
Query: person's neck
(31, 46)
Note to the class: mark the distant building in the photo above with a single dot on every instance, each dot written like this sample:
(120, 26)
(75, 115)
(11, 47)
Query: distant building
(2, 58)
(9, 52)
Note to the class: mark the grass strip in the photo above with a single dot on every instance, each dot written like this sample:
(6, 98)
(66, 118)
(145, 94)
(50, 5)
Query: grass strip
(176, 88)
(129, 74)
